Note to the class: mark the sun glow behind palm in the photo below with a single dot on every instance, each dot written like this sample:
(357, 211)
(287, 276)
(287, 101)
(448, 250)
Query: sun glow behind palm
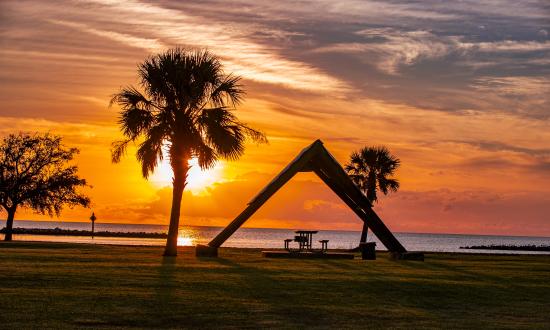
(197, 180)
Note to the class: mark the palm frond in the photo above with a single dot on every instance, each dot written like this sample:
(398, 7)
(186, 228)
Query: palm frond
(371, 169)
(206, 156)
(253, 134)
(225, 134)
(149, 152)
(118, 150)
(387, 185)
(228, 91)
(130, 98)
(135, 122)
(185, 101)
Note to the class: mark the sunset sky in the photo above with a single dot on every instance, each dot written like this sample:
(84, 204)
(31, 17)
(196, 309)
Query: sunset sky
(458, 90)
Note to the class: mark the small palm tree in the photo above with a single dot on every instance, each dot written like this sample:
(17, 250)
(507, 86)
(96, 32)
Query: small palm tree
(185, 107)
(372, 170)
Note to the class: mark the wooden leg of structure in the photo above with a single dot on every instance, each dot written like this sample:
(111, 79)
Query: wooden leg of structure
(364, 233)
(317, 159)
(206, 251)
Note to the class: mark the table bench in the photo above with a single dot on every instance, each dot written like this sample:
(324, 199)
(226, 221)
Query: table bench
(324, 245)
(304, 240)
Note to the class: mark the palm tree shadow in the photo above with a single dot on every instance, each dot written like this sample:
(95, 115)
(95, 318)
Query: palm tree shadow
(222, 261)
(164, 295)
(453, 269)
(255, 282)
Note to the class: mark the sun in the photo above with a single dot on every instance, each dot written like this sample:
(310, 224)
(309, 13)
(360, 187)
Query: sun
(197, 180)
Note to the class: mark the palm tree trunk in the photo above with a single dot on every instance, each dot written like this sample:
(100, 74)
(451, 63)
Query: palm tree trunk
(9, 224)
(180, 177)
(371, 189)
(371, 196)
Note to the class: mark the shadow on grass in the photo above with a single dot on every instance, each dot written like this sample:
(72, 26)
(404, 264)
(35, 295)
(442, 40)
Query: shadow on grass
(166, 279)
(40, 245)
(268, 300)
(451, 269)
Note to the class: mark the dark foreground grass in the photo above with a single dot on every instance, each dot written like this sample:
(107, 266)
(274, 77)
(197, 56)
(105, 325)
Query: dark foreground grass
(49, 285)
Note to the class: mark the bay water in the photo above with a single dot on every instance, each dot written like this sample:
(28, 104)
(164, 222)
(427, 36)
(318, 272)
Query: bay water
(273, 238)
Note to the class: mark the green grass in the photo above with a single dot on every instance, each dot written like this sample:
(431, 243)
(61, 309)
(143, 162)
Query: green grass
(49, 285)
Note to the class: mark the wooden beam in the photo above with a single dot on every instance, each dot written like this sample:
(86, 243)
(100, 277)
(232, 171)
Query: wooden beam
(337, 177)
(345, 198)
(288, 172)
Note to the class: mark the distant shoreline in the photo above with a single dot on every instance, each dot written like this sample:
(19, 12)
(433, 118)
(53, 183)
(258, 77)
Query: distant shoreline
(161, 227)
(70, 232)
(538, 248)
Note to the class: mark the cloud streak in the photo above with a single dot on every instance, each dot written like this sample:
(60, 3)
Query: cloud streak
(151, 45)
(233, 42)
(397, 48)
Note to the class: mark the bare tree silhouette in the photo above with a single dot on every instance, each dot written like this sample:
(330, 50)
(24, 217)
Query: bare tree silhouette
(34, 174)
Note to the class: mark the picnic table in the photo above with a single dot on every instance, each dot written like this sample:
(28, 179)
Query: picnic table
(305, 241)
(305, 238)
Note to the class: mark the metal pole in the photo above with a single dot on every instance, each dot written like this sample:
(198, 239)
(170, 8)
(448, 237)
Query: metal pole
(93, 218)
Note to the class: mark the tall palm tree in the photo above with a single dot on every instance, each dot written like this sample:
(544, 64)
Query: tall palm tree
(185, 107)
(372, 170)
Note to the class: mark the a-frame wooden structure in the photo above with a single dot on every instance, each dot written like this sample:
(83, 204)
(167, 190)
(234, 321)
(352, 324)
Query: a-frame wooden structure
(314, 158)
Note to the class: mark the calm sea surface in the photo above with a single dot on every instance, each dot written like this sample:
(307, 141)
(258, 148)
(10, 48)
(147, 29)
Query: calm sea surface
(273, 238)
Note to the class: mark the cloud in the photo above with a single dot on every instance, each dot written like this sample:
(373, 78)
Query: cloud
(352, 11)
(74, 133)
(529, 95)
(514, 86)
(233, 42)
(509, 46)
(58, 56)
(527, 165)
(468, 212)
(496, 146)
(151, 45)
(389, 49)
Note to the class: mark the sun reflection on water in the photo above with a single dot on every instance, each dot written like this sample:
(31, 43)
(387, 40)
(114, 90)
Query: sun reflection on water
(187, 237)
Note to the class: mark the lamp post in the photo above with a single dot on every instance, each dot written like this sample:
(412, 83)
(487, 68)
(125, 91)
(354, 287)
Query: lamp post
(93, 218)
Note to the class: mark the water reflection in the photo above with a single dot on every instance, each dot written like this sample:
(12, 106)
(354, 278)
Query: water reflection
(187, 236)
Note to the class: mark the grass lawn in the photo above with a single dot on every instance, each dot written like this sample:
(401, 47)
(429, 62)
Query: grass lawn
(53, 285)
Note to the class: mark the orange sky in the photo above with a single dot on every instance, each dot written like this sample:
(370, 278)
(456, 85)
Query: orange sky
(458, 92)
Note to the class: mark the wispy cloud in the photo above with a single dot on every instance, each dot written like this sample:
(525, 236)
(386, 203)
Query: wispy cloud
(152, 45)
(58, 56)
(389, 49)
(505, 46)
(514, 86)
(233, 42)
